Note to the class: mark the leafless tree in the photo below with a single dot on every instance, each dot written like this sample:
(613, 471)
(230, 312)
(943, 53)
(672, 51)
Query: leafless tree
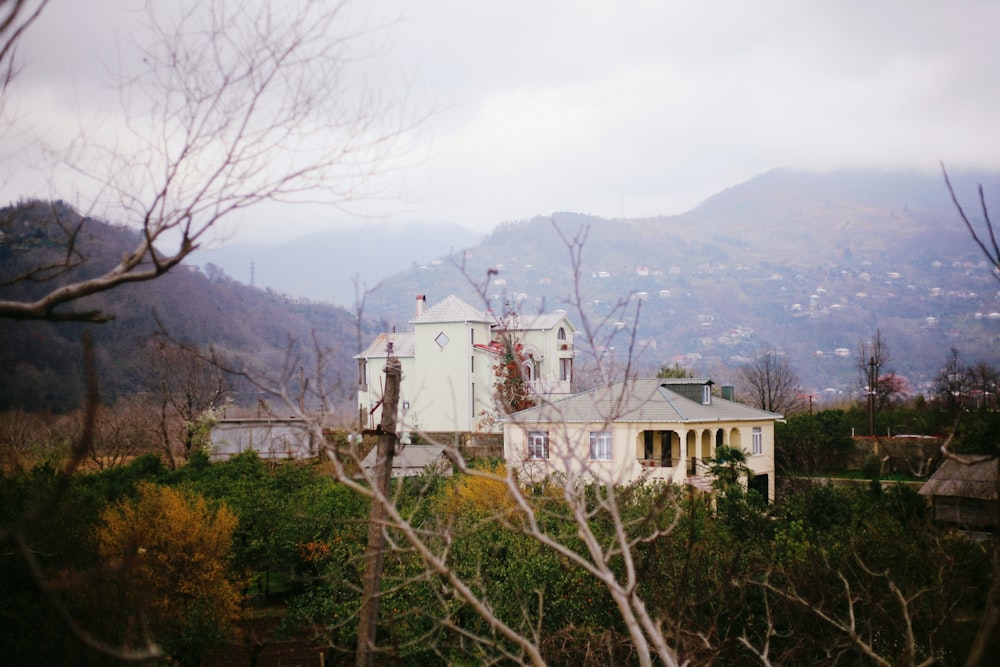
(877, 379)
(613, 563)
(616, 562)
(361, 294)
(13, 534)
(232, 105)
(236, 105)
(22, 434)
(982, 232)
(953, 383)
(985, 382)
(123, 431)
(16, 16)
(984, 236)
(769, 382)
(185, 384)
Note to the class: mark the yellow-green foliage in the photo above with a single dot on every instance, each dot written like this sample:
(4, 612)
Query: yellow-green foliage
(481, 493)
(171, 551)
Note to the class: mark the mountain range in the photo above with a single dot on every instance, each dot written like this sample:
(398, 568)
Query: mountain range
(808, 264)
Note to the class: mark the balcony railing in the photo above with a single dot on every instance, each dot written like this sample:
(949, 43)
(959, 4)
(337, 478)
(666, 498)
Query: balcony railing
(695, 466)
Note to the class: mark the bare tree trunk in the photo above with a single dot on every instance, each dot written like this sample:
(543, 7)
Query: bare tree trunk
(375, 549)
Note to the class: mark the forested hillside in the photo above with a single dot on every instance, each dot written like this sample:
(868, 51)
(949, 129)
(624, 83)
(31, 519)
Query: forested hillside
(806, 263)
(41, 363)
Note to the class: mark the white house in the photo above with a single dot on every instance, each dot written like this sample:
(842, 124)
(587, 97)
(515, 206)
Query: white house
(448, 355)
(659, 429)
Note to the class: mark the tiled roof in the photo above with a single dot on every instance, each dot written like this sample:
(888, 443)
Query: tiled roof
(451, 309)
(494, 346)
(402, 345)
(640, 400)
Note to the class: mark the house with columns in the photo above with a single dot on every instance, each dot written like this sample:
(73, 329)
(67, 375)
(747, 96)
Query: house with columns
(653, 429)
(448, 355)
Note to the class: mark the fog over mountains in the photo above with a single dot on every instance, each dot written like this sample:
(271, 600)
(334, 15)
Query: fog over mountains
(808, 263)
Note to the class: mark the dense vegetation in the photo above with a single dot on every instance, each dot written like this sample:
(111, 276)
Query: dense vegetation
(728, 581)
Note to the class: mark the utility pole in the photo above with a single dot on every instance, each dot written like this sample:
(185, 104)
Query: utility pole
(375, 549)
(872, 382)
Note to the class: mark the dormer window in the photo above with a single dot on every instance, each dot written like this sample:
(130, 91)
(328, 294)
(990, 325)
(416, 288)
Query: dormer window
(706, 395)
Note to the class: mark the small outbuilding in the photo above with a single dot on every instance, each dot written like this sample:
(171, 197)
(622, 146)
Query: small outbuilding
(413, 460)
(270, 438)
(964, 492)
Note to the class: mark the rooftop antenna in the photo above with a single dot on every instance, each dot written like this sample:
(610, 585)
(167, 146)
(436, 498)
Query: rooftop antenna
(253, 267)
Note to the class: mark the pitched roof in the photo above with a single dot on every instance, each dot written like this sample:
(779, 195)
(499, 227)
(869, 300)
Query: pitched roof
(451, 309)
(976, 478)
(641, 400)
(402, 346)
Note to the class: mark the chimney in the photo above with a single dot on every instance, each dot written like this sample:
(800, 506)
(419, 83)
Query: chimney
(421, 302)
(727, 391)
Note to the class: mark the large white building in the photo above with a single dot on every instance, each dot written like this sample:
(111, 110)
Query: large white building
(448, 355)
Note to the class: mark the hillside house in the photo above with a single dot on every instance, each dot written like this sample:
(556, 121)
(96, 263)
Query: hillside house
(448, 355)
(657, 429)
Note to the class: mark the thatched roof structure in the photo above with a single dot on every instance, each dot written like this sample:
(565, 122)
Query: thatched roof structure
(975, 478)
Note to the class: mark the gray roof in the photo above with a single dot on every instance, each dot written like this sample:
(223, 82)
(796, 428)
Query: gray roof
(451, 309)
(402, 345)
(410, 457)
(975, 478)
(641, 400)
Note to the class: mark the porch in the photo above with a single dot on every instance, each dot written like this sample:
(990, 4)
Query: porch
(683, 449)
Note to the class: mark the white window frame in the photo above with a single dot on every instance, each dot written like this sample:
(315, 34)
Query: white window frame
(601, 446)
(538, 445)
(758, 440)
(706, 394)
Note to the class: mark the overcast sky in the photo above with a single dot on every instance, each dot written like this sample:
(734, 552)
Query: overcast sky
(629, 108)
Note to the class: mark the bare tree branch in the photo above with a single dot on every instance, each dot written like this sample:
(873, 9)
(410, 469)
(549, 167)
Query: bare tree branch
(238, 104)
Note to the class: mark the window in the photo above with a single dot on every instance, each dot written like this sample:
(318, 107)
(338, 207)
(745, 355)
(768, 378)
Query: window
(566, 370)
(706, 395)
(441, 340)
(538, 444)
(472, 364)
(600, 445)
(561, 335)
(758, 440)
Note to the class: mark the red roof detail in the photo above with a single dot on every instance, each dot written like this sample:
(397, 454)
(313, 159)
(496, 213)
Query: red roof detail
(494, 346)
